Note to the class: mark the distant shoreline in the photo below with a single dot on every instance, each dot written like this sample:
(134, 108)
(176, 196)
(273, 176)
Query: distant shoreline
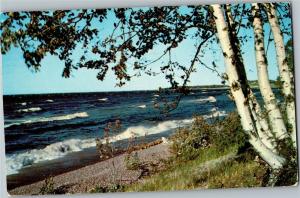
(212, 87)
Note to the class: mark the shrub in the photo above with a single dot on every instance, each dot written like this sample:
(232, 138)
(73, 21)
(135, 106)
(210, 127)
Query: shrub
(132, 161)
(48, 187)
(187, 142)
(108, 189)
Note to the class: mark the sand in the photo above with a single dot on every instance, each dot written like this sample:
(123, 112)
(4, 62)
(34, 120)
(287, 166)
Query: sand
(102, 173)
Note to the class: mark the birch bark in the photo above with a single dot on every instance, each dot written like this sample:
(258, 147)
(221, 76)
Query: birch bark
(274, 114)
(284, 72)
(261, 123)
(274, 160)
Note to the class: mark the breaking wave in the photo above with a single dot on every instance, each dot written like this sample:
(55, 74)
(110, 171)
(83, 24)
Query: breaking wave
(103, 99)
(215, 113)
(32, 109)
(49, 100)
(209, 99)
(18, 161)
(15, 162)
(50, 119)
(142, 106)
(53, 151)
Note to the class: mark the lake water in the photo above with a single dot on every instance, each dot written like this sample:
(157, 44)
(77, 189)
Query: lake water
(39, 128)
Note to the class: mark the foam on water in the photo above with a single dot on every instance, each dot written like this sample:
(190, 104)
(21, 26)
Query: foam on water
(215, 114)
(49, 100)
(15, 162)
(32, 109)
(209, 99)
(53, 151)
(138, 131)
(50, 119)
(142, 106)
(103, 99)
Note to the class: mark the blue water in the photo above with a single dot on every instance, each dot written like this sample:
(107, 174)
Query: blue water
(46, 127)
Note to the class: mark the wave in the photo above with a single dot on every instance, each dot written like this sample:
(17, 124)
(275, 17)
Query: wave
(53, 151)
(49, 100)
(50, 119)
(156, 95)
(23, 103)
(209, 99)
(103, 99)
(215, 113)
(15, 162)
(138, 131)
(142, 106)
(32, 109)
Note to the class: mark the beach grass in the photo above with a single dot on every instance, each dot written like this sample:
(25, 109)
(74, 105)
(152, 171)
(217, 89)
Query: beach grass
(212, 169)
(207, 155)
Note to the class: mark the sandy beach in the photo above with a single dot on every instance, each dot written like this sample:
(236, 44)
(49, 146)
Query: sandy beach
(102, 173)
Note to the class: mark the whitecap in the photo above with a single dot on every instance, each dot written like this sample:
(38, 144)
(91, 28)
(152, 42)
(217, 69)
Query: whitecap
(15, 162)
(156, 95)
(142, 106)
(138, 131)
(32, 109)
(53, 151)
(49, 100)
(209, 99)
(215, 114)
(50, 119)
(103, 99)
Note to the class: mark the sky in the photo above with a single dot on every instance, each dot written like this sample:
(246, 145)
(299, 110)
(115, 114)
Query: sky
(19, 79)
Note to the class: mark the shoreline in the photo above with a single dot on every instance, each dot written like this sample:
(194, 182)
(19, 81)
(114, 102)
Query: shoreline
(69, 162)
(85, 178)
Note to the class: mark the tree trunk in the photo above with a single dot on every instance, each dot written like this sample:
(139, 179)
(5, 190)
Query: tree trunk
(261, 124)
(241, 101)
(274, 114)
(284, 72)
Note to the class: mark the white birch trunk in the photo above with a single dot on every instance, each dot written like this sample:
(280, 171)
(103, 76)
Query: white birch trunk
(285, 75)
(261, 123)
(262, 130)
(274, 114)
(274, 160)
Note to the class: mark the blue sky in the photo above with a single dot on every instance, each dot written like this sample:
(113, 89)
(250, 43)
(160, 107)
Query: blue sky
(18, 79)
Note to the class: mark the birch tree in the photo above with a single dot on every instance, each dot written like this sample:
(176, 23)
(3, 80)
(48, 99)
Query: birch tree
(136, 32)
(275, 117)
(257, 127)
(240, 97)
(286, 77)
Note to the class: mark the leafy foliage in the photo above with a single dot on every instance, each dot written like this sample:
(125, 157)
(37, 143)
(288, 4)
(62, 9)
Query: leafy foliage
(187, 142)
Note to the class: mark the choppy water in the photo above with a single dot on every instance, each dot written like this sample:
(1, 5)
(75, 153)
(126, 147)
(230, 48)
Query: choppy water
(45, 127)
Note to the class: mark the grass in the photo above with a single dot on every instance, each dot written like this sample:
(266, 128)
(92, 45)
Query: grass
(193, 175)
(206, 155)
(199, 160)
(178, 176)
